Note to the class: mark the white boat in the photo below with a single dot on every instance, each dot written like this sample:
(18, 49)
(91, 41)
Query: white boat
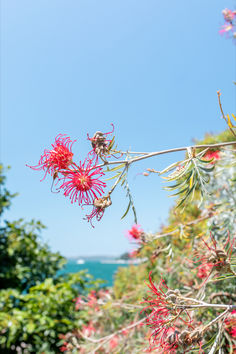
(113, 261)
(80, 261)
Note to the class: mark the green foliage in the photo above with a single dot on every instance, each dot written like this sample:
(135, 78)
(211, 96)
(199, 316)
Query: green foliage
(135, 286)
(191, 175)
(24, 260)
(37, 318)
(5, 195)
(36, 303)
(225, 136)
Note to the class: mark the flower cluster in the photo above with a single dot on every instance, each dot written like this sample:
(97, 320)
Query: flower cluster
(230, 324)
(214, 257)
(91, 305)
(229, 26)
(80, 182)
(166, 320)
(93, 300)
(212, 156)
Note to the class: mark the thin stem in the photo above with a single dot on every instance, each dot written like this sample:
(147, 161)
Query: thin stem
(130, 152)
(152, 154)
(216, 319)
(222, 112)
(222, 294)
(205, 305)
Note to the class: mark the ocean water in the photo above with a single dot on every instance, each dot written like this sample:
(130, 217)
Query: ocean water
(97, 269)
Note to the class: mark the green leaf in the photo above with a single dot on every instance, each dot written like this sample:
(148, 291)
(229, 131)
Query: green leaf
(127, 210)
(180, 192)
(111, 144)
(115, 168)
(207, 169)
(205, 161)
(206, 345)
(171, 167)
(186, 196)
(222, 277)
(113, 177)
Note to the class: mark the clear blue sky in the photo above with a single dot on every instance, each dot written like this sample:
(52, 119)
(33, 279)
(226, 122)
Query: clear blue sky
(150, 67)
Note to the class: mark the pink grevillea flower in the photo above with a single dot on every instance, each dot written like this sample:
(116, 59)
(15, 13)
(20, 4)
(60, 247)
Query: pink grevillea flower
(133, 254)
(135, 233)
(230, 324)
(96, 213)
(78, 302)
(213, 257)
(92, 300)
(64, 348)
(229, 15)
(88, 330)
(57, 159)
(230, 23)
(83, 185)
(226, 28)
(164, 317)
(210, 154)
(203, 271)
(113, 343)
(104, 294)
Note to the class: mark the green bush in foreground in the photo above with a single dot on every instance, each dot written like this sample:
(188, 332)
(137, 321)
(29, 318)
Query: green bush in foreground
(36, 303)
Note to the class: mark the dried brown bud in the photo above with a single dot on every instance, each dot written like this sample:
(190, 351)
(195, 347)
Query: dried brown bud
(102, 203)
(100, 144)
(173, 338)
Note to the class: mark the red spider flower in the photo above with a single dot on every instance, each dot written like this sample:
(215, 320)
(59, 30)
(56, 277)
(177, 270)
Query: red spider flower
(58, 158)
(212, 155)
(88, 330)
(102, 145)
(133, 254)
(214, 257)
(226, 28)
(230, 324)
(113, 343)
(83, 185)
(230, 25)
(135, 233)
(78, 302)
(203, 271)
(92, 299)
(166, 336)
(64, 348)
